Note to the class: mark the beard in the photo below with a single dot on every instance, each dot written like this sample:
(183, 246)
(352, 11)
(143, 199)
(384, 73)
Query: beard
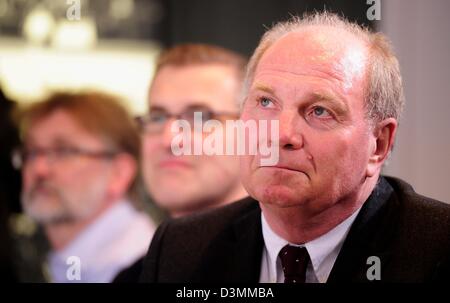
(48, 204)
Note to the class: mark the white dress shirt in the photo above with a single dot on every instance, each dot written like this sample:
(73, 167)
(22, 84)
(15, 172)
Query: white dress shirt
(322, 251)
(119, 237)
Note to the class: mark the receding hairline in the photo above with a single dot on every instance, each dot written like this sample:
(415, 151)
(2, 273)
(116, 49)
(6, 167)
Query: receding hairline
(383, 92)
(309, 32)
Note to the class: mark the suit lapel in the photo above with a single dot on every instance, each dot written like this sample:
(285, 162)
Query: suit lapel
(248, 248)
(369, 235)
(235, 254)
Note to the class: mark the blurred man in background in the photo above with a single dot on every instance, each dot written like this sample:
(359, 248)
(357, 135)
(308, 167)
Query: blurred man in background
(80, 162)
(190, 78)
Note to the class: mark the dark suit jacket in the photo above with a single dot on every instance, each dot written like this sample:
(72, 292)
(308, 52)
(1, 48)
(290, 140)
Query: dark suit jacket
(130, 274)
(408, 232)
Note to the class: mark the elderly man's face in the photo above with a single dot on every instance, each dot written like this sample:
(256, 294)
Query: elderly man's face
(313, 83)
(182, 184)
(61, 184)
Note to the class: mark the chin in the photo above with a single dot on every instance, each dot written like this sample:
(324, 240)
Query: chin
(43, 214)
(174, 178)
(278, 195)
(41, 204)
(170, 199)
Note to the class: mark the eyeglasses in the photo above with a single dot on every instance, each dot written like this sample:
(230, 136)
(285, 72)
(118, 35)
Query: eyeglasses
(155, 121)
(24, 156)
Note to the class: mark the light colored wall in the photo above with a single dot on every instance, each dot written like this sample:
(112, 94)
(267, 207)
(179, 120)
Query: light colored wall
(420, 32)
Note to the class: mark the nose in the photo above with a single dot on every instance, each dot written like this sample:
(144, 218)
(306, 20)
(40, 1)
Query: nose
(168, 135)
(291, 137)
(39, 166)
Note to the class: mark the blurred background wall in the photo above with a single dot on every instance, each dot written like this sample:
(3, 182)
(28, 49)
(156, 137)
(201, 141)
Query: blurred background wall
(239, 24)
(113, 45)
(419, 31)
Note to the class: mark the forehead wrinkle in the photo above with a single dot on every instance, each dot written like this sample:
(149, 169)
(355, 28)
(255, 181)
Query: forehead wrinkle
(321, 72)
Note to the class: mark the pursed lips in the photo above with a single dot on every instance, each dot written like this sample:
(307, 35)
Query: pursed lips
(42, 190)
(282, 167)
(285, 167)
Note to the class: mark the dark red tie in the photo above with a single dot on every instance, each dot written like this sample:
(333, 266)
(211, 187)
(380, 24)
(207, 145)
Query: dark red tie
(294, 261)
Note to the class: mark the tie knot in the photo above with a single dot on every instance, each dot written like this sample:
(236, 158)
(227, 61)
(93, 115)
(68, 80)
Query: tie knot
(294, 261)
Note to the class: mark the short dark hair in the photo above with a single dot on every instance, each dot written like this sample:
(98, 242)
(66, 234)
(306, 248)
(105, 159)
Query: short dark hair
(199, 53)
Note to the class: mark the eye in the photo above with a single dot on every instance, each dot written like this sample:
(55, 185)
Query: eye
(31, 154)
(265, 102)
(65, 151)
(190, 114)
(157, 117)
(320, 111)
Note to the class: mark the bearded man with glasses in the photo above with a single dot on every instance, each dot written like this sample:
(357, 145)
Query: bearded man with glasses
(79, 161)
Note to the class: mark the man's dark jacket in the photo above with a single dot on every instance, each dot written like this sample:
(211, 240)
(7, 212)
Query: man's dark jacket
(409, 233)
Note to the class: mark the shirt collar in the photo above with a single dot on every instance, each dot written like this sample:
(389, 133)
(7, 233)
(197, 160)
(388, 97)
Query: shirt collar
(323, 250)
(88, 245)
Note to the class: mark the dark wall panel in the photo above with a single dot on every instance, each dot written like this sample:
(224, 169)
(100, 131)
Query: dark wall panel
(239, 24)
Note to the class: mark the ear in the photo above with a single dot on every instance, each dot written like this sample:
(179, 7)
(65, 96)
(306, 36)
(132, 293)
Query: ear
(383, 141)
(123, 173)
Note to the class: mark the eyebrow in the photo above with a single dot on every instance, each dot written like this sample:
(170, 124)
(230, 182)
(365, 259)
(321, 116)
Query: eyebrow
(264, 88)
(192, 105)
(330, 98)
(61, 141)
(58, 141)
(153, 107)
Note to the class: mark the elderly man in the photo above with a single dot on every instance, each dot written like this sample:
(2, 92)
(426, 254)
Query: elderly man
(80, 161)
(323, 213)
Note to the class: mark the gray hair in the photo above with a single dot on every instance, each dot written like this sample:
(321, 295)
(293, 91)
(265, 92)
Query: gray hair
(384, 92)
